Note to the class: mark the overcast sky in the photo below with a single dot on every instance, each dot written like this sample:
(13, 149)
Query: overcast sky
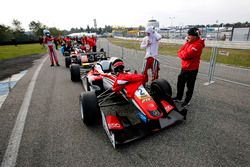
(80, 13)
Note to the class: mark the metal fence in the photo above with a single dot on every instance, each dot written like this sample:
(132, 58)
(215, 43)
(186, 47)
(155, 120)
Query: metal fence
(133, 59)
(241, 34)
(209, 43)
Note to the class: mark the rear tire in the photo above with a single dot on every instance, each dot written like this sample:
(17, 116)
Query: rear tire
(89, 109)
(75, 72)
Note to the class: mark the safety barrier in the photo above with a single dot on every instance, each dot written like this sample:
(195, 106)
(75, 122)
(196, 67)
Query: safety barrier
(133, 59)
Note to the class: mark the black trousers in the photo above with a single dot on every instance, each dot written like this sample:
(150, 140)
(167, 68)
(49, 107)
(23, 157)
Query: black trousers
(188, 78)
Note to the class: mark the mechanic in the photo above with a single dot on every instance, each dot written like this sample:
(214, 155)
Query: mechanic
(67, 45)
(190, 54)
(92, 44)
(48, 40)
(151, 44)
(67, 40)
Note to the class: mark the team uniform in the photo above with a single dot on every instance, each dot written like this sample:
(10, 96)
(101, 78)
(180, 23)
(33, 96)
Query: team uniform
(53, 56)
(89, 41)
(189, 54)
(150, 43)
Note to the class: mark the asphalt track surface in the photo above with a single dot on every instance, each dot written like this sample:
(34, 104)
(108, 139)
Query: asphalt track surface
(216, 132)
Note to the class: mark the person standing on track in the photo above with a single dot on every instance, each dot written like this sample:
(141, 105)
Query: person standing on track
(151, 44)
(48, 40)
(190, 54)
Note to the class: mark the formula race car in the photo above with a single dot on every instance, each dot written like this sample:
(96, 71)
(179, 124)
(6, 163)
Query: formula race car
(73, 55)
(127, 109)
(83, 62)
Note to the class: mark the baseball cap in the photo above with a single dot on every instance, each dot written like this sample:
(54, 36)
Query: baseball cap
(194, 31)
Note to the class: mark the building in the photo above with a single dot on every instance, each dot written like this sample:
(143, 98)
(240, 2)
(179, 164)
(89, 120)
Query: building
(153, 23)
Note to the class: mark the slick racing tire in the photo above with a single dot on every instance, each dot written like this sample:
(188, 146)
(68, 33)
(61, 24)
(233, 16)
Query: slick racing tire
(89, 109)
(161, 88)
(67, 61)
(75, 72)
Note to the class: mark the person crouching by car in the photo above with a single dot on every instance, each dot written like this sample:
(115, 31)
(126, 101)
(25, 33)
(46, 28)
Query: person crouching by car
(48, 40)
(90, 42)
(151, 44)
(190, 54)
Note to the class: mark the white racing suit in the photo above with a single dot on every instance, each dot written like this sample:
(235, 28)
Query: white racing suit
(151, 44)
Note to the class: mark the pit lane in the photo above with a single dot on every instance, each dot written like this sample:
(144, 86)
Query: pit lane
(216, 132)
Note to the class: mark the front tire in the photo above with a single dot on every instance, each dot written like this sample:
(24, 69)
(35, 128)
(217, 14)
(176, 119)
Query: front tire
(161, 88)
(75, 72)
(90, 111)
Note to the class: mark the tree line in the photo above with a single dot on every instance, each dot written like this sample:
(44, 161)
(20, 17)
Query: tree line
(16, 34)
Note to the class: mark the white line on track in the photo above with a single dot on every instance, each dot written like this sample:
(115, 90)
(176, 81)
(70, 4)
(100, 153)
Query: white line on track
(10, 156)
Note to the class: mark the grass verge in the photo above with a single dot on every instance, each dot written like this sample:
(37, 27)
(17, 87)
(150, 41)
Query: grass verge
(236, 57)
(11, 51)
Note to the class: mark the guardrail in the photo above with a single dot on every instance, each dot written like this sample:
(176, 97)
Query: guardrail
(209, 43)
(235, 75)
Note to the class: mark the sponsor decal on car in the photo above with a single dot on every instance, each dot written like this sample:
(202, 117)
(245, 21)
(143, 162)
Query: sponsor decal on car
(110, 135)
(146, 100)
(142, 94)
(142, 117)
(113, 122)
(167, 106)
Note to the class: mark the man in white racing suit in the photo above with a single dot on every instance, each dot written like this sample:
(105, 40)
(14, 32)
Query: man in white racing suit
(151, 44)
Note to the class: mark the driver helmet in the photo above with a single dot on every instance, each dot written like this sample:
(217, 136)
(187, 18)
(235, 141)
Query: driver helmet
(118, 65)
(46, 32)
(150, 30)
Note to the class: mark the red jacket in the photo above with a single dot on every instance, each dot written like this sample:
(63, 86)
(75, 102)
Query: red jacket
(190, 54)
(91, 43)
(67, 41)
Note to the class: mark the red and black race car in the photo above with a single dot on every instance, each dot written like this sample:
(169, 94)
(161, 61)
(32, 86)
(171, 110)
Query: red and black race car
(82, 62)
(127, 109)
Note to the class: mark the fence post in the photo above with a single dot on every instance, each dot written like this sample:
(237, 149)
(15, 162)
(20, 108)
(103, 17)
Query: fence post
(122, 53)
(108, 49)
(248, 34)
(212, 66)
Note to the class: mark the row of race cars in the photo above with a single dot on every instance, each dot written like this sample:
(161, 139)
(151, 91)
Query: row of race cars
(118, 99)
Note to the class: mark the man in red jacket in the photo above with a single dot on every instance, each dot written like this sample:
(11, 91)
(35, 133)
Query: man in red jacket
(190, 54)
(92, 44)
